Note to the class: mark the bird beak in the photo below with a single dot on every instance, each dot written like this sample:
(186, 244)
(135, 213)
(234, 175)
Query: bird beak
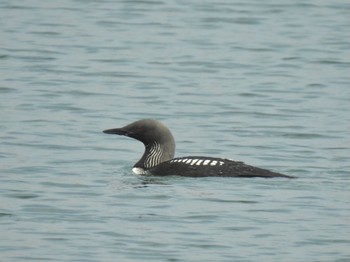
(116, 131)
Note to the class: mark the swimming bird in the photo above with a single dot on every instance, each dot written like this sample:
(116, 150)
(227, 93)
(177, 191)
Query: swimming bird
(158, 158)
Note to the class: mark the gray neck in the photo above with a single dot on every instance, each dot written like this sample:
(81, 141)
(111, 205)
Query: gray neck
(156, 153)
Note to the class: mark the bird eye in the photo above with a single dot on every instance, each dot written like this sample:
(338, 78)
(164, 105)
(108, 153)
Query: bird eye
(138, 130)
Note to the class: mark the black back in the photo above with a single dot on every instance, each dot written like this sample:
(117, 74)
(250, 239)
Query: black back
(194, 166)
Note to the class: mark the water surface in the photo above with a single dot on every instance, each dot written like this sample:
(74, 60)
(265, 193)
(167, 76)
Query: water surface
(266, 83)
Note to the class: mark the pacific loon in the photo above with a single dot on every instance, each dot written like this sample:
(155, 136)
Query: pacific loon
(158, 158)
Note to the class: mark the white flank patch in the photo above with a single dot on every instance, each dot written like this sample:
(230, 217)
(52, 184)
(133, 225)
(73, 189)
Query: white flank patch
(199, 162)
(188, 161)
(184, 160)
(139, 171)
(221, 163)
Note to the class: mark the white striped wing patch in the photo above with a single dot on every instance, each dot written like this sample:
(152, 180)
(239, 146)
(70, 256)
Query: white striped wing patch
(197, 162)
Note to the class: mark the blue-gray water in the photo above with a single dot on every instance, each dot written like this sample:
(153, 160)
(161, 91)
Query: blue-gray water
(264, 82)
